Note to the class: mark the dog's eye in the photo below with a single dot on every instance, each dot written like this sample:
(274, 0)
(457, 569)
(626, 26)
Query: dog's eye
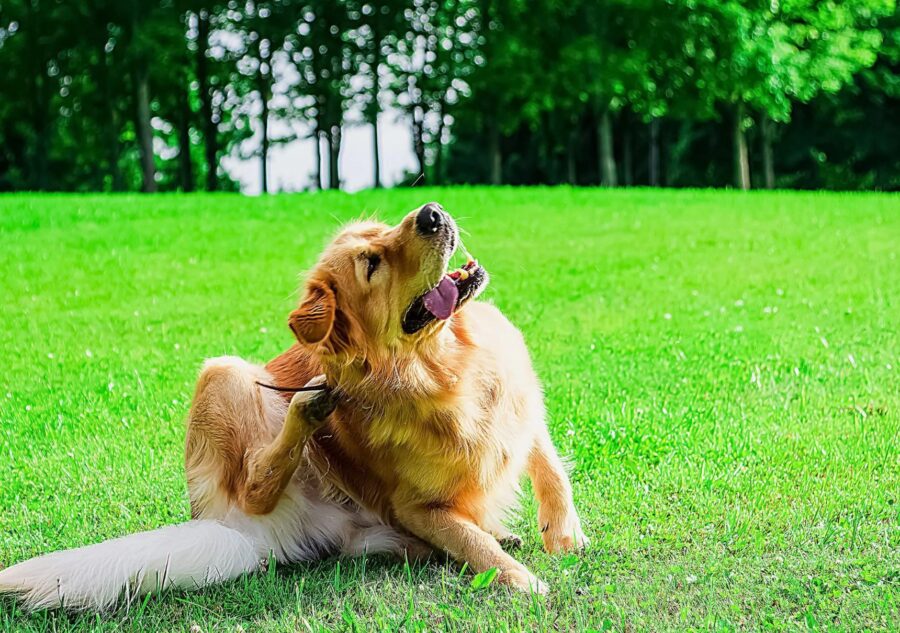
(374, 260)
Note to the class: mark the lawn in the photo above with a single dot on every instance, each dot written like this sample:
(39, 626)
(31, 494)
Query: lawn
(723, 370)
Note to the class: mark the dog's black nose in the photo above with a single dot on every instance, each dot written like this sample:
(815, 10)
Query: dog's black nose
(429, 219)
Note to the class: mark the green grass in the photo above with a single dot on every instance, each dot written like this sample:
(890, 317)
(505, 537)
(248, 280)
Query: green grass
(722, 368)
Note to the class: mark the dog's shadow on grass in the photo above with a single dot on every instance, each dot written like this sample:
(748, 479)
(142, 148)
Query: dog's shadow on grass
(334, 593)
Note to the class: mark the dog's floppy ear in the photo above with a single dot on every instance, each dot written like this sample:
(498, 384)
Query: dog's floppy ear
(313, 320)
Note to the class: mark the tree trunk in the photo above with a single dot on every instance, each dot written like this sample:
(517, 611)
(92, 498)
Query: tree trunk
(653, 167)
(550, 145)
(439, 150)
(142, 110)
(741, 157)
(113, 147)
(40, 100)
(495, 153)
(376, 110)
(572, 154)
(768, 159)
(185, 165)
(627, 156)
(145, 131)
(334, 154)
(676, 152)
(210, 129)
(418, 137)
(317, 138)
(264, 149)
(606, 156)
(110, 124)
(375, 153)
(264, 93)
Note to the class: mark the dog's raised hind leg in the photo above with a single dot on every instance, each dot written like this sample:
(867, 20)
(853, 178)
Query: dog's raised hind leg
(269, 469)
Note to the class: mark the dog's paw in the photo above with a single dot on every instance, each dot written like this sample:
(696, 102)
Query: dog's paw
(320, 406)
(561, 543)
(510, 541)
(311, 408)
(566, 536)
(522, 580)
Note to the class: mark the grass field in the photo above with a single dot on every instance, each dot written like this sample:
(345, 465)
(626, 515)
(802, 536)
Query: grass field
(722, 368)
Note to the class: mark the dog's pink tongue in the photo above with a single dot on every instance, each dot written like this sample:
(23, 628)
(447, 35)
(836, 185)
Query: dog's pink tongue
(441, 301)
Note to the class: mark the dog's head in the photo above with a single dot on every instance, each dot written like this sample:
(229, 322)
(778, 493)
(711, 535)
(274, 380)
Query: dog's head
(386, 287)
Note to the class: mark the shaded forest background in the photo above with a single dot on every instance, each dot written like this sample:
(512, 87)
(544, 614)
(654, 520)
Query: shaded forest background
(118, 95)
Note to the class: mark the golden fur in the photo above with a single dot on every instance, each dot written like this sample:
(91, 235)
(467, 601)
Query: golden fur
(432, 430)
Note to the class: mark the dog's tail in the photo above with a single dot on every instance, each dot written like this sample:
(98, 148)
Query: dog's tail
(189, 555)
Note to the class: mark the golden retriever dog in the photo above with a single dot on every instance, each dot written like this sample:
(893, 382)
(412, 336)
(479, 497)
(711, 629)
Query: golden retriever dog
(428, 415)
(438, 410)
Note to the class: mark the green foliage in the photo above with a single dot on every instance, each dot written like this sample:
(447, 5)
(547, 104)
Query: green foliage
(484, 579)
(72, 124)
(691, 60)
(792, 50)
(100, 84)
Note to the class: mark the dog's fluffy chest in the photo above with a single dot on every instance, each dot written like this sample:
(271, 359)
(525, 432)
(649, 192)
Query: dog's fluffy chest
(463, 447)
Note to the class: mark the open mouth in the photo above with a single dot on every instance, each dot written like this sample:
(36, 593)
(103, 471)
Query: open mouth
(439, 303)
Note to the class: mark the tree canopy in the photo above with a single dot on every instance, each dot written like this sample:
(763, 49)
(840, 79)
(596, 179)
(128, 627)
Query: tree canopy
(113, 95)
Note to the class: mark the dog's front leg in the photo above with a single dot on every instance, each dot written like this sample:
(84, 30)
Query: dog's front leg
(557, 518)
(467, 543)
(269, 469)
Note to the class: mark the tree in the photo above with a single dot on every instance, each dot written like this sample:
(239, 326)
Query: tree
(205, 90)
(172, 77)
(771, 55)
(829, 44)
(325, 58)
(262, 29)
(116, 96)
(602, 62)
(140, 47)
(848, 140)
(505, 93)
(431, 63)
(379, 26)
(31, 35)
